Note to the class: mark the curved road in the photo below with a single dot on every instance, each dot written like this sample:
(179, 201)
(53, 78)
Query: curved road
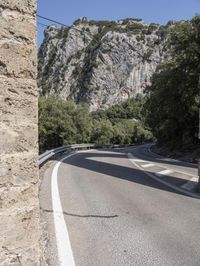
(116, 214)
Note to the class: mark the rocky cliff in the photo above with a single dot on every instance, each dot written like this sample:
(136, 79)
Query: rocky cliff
(100, 63)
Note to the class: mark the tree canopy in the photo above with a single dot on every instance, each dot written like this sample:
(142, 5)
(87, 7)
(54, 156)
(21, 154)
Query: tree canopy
(63, 122)
(174, 96)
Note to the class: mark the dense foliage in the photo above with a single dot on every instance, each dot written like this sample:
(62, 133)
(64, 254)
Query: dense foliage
(62, 122)
(174, 96)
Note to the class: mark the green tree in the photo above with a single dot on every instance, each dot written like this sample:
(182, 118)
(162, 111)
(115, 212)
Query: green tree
(102, 132)
(173, 97)
(56, 126)
(83, 123)
(62, 122)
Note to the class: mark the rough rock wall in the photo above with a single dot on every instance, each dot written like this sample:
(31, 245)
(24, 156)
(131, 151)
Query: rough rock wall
(101, 63)
(19, 208)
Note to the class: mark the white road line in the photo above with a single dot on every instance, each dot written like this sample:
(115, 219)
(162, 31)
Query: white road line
(138, 160)
(65, 254)
(191, 184)
(179, 189)
(148, 165)
(164, 172)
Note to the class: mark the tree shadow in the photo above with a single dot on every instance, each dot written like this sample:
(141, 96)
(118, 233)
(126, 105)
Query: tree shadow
(87, 160)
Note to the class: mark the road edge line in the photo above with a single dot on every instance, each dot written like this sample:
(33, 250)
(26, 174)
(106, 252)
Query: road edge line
(183, 191)
(65, 254)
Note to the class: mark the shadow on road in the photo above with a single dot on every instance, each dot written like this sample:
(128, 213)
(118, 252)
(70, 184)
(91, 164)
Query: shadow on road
(88, 160)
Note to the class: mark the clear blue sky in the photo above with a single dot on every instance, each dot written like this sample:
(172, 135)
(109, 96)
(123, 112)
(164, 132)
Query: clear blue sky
(159, 11)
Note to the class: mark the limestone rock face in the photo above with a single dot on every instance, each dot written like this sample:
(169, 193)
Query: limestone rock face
(100, 63)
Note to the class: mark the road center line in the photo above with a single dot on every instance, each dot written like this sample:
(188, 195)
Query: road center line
(65, 254)
(148, 165)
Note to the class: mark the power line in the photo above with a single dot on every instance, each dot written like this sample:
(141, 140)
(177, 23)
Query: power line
(54, 21)
(51, 20)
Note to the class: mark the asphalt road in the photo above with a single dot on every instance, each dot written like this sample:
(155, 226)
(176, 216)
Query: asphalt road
(118, 215)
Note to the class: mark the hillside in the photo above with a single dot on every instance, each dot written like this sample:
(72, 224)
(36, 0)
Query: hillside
(101, 63)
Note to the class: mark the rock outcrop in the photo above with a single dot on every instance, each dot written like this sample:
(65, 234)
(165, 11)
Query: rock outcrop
(100, 63)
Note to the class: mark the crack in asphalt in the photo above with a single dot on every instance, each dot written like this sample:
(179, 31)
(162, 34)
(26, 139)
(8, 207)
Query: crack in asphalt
(84, 216)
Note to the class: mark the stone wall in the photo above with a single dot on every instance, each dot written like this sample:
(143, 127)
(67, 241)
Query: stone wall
(19, 208)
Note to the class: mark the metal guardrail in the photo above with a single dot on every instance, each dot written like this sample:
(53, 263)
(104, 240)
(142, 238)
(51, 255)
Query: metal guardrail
(48, 154)
(44, 157)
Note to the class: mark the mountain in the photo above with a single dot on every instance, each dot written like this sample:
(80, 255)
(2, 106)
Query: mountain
(100, 63)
